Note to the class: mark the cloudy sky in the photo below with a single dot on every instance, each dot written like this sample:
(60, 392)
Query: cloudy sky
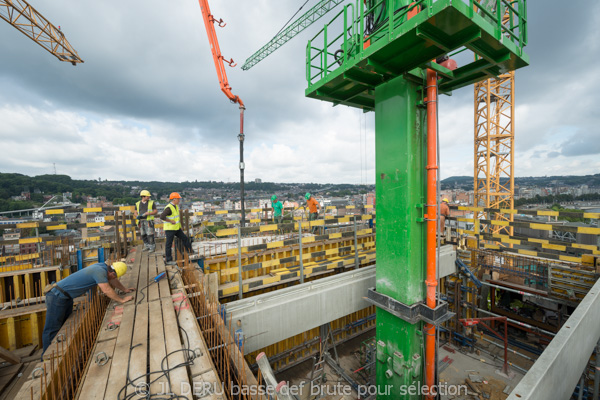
(146, 104)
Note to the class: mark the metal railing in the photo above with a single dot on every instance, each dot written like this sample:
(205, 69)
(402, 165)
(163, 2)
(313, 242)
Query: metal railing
(507, 17)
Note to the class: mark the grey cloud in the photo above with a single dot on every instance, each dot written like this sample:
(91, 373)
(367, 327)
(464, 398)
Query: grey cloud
(582, 143)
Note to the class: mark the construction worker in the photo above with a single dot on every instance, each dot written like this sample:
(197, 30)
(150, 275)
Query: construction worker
(444, 213)
(313, 207)
(277, 209)
(172, 227)
(59, 296)
(145, 210)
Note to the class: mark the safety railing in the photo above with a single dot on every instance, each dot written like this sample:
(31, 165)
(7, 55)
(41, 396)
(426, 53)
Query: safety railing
(361, 26)
(324, 55)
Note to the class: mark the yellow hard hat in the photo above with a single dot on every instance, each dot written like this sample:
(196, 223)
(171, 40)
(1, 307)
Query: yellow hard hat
(120, 268)
(145, 193)
(445, 200)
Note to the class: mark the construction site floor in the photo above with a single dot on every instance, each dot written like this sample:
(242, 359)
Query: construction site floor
(335, 387)
(480, 373)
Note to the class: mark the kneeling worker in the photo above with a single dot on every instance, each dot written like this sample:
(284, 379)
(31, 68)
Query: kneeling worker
(59, 299)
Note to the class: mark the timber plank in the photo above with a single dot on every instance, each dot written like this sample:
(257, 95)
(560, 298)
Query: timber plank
(153, 293)
(157, 347)
(96, 377)
(177, 377)
(202, 371)
(139, 351)
(94, 384)
(31, 385)
(117, 377)
(187, 321)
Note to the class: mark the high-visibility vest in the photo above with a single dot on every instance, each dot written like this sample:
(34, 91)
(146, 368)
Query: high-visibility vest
(150, 203)
(175, 217)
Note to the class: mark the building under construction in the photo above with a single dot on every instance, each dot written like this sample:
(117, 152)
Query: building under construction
(384, 302)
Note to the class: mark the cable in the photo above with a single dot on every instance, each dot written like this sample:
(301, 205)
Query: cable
(142, 293)
(286, 24)
(189, 356)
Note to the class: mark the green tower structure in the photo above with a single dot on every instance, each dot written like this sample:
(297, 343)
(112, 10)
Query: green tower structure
(373, 55)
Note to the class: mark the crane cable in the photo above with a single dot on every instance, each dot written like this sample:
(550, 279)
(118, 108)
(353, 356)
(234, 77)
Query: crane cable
(296, 13)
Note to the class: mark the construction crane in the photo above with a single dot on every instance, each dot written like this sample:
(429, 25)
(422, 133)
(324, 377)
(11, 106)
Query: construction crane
(494, 170)
(494, 180)
(35, 26)
(209, 21)
(285, 35)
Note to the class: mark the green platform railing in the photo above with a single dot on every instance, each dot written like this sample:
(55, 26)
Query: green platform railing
(326, 53)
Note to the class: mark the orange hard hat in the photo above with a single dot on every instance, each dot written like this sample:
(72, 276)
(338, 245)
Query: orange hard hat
(174, 195)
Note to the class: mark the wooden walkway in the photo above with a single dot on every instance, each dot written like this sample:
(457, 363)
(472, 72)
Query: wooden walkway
(137, 337)
(140, 340)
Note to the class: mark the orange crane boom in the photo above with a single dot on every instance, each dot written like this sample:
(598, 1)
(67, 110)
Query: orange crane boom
(209, 21)
(218, 58)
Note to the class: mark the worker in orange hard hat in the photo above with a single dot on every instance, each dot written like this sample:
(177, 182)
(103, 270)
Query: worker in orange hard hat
(444, 213)
(144, 213)
(172, 227)
(60, 295)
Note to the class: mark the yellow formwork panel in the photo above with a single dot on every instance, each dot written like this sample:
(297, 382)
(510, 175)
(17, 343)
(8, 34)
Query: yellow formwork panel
(227, 266)
(22, 330)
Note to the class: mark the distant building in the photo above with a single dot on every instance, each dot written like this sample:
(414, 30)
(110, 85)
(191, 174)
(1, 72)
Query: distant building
(11, 249)
(258, 180)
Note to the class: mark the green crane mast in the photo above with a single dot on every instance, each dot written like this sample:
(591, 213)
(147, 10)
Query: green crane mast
(376, 55)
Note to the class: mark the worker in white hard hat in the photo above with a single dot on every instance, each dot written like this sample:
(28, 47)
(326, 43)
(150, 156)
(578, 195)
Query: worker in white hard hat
(60, 295)
(144, 213)
(444, 213)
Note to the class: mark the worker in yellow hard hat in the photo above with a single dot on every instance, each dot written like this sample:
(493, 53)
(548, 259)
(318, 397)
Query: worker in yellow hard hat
(60, 295)
(172, 227)
(444, 213)
(144, 212)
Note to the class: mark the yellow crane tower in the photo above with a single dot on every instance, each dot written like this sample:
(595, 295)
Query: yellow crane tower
(494, 167)
(494, 149)
(35, 26)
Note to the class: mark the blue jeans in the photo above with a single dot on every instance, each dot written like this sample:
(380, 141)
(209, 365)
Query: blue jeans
(58, 309)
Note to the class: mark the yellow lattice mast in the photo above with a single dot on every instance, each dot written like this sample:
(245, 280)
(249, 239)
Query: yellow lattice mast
(494, 148)
(35, 26)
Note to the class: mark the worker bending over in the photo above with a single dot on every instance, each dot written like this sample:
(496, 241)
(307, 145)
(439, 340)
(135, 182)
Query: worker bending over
(313, 207)
(277, 209)
(172, 227)
(59, 296)
(145, 210)
(444, 213)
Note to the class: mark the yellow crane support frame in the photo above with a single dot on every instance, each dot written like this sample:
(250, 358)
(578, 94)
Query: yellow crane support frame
(494, 185)
(35, 26)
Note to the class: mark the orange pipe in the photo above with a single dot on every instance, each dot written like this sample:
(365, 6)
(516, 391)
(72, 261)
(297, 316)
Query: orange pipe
(431, 280)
